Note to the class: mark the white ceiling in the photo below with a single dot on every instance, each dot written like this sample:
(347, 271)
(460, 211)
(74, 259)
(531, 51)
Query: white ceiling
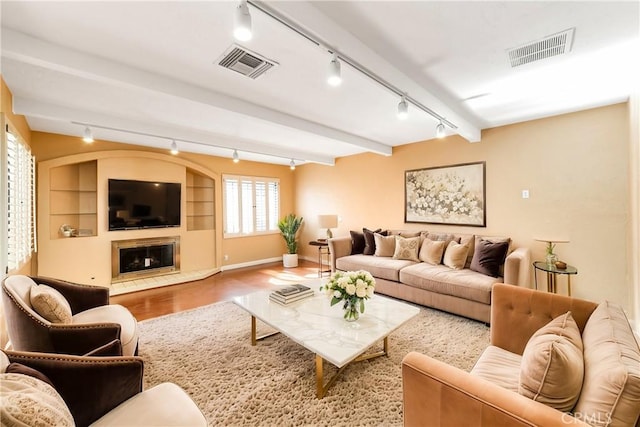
(150, 68)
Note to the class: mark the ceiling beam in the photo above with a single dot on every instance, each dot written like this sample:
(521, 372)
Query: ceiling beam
(49, 111)
(340, 39)
(27, 49)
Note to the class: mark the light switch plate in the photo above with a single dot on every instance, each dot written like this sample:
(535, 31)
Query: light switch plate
(525, 194)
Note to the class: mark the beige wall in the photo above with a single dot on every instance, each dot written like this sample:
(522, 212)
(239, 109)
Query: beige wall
(244, 250)
(575, 167)
(634, 235)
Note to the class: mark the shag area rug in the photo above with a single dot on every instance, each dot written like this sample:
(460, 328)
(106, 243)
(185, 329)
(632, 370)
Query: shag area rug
(207, 351)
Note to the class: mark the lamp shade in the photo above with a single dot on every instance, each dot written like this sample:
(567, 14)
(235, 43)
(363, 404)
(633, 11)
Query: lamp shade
(328, 221)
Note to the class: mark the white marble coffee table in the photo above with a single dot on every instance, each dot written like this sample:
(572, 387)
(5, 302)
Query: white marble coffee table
(320, 328)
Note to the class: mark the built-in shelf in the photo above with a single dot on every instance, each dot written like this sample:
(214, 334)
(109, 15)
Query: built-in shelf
(73, 199)
(200, 202)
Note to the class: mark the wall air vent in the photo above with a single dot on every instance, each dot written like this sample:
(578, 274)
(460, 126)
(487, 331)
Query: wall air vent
(553, 45)
(245, 62)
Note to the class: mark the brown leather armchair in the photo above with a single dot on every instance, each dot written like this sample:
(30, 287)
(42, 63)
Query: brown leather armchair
(94, 322)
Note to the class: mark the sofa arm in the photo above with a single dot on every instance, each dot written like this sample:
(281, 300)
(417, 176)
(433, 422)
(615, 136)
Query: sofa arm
(437, 394)
(90, 386)
(339, 247)
(517, 313)
(517, 268)
(82, 338)
(80, 297)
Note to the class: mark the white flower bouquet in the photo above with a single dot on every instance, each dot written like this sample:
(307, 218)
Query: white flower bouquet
(352, 287)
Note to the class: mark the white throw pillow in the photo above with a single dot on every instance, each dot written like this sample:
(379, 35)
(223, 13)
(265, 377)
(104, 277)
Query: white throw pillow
(407, 248)
(27, 401)
(50, 304)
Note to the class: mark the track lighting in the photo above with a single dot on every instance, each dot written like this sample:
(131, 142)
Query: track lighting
(440, 130)
(403, 109)
(174, 147)
(335, 77)
(292, 165)
(87, 135)
(236, 158)
(242, 28)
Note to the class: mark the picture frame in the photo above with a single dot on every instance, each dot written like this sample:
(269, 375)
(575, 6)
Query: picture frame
(453, 194)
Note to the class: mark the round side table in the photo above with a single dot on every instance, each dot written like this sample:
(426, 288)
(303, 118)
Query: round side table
(552, 275)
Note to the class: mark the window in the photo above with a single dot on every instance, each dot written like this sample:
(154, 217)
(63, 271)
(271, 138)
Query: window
(18, 165)
(251, 205)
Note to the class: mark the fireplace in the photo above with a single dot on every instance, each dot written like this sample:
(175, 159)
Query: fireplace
(136, 258)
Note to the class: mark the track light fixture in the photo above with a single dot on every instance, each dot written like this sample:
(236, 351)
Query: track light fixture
(440, 130)
(292, 165)
(335, 77)
(174, 147)
(236, 158)
(242, 28)
(87, 135)
(403, 109)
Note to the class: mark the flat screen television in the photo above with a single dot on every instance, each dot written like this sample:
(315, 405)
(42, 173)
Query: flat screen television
(143, 204)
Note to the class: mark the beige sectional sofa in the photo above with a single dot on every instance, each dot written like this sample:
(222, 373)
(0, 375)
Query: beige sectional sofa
(461, 291)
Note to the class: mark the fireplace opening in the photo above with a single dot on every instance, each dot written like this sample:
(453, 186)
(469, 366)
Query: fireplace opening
(144, 257)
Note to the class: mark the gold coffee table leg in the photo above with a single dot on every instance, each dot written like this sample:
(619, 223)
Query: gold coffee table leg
(254, 338)
(321, 388)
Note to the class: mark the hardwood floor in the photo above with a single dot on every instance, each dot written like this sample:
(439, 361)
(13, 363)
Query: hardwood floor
(219, 287)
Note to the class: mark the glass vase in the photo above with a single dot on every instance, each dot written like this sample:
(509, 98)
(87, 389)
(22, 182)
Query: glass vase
(351, 313)
(551, 259)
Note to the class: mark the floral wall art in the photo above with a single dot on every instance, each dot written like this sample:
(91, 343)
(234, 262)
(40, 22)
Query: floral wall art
(446, 195)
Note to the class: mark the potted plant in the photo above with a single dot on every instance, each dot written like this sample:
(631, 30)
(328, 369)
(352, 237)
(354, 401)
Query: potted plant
(289, 226)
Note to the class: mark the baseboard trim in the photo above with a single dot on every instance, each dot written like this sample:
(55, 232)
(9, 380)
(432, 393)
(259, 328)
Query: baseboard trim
(250, 263)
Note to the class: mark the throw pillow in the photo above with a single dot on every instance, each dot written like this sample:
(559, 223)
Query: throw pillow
(455, 255)
(50, 304)
(369, 241)
(19, 368)
(431, 251)
(357, 242)
(407, 248)
(552, 367)
(488, 257)
(385, 245)
(27, 401)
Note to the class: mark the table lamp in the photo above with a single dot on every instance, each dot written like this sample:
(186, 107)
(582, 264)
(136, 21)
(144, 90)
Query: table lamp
(328, 222)
(551, 244)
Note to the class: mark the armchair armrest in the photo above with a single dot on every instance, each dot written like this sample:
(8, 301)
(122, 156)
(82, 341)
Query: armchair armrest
(90, 386)
(81, 339)
(80, 297)
(437, 394)
(517, 313)
(517, 268)
(339, 247)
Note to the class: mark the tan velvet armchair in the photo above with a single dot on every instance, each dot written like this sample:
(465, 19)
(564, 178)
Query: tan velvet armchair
(94, 322)
(437, 394)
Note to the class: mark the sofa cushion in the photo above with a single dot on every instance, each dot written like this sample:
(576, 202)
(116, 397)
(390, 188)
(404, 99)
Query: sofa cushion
(19, 368)
(385, 245)
(455, 255)
(369, 242)
(611, 389)
(500, 367)
(379, 267)
(50, 304)
(357, 242)
(165, 404)
(407, 248)
(443, 237)
(441, 279)
(552, 366)
(27, 401)
(431, 251)
(489, 256)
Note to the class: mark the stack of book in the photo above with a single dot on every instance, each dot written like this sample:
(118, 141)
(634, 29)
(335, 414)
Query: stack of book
(291, 294)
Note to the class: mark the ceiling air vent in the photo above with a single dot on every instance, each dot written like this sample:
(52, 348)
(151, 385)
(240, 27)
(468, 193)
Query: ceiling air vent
(556, 44)
(245, 62)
